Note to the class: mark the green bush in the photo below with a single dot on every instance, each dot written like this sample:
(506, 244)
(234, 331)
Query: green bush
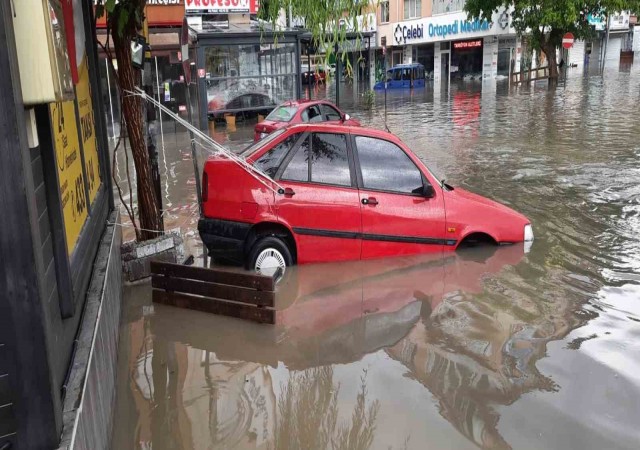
(369, 99)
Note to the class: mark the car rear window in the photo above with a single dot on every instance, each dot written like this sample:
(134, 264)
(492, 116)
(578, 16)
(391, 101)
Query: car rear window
(270, 161)
(282, 114)
(250, 150)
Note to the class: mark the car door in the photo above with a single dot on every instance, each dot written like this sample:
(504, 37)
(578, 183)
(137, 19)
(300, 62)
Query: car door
(406, 77)
(321, 203)
(395, 79)
(397, 218)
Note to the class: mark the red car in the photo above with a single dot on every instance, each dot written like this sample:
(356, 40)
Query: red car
(302, 111)
(338, 193)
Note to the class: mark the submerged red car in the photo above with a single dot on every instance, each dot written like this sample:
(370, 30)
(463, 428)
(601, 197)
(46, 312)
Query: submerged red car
(340, 193)
(302, 111)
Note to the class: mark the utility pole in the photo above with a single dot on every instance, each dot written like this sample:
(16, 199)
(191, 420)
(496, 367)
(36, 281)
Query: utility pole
(604, 58)
(338, 71)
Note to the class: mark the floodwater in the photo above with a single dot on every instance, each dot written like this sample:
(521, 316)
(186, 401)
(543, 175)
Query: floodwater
(487, 347)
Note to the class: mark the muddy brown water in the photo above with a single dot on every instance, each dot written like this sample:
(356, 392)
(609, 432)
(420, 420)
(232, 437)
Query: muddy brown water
(490, 347)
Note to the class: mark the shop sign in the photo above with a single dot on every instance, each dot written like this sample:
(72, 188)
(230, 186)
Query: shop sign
(467, 44)
(619, 21)
(163, 2)
(404, 33)
(70, 174)
(220, 6)
(597, 21)
(88, 131)
(449, 27)
(150, 2)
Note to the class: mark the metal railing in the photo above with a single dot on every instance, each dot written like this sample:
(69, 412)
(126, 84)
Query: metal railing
(539, 73)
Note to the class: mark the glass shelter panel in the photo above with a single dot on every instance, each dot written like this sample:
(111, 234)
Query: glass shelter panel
(249, 77)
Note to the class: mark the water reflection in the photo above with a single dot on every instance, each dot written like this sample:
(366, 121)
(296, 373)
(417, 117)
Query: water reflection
(202, 381)
(465, 350)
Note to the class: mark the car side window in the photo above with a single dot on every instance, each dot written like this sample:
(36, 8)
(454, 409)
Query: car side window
(329, 160)
(386, 167)
(298, 167)
(330, 113)
(314, 114)
(271, 160)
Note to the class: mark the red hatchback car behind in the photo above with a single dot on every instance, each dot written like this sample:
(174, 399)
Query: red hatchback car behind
(302, 111)
(342, 193)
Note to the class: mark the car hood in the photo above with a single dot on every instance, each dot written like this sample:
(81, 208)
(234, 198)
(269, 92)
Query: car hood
(469, 197)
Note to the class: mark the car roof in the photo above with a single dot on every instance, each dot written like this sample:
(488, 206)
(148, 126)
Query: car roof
(335, 128)
(406, 66)
(304, 101)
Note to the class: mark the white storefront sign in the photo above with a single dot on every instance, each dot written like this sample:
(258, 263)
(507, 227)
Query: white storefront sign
(636, 39)
(448, 27)
(619, 22)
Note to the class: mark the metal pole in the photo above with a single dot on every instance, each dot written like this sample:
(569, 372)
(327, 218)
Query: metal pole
(159, 112)
(338, 70)
(194, 155)
(385, 88)
(113, 131)
(309, 69)
(604, 59)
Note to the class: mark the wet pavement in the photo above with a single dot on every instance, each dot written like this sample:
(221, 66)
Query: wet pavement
(487, 347)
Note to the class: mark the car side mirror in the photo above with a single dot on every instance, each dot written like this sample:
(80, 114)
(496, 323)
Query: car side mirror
(428, 191)
(346, 117)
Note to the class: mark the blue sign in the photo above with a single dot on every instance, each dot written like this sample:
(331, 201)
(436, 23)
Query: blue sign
(404, 33)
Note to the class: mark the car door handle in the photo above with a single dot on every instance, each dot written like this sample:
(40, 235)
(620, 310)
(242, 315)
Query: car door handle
(370, 201)
(287, 192)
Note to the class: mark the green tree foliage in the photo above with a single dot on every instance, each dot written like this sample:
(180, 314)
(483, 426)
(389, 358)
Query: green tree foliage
(330, 22)
(546, 21)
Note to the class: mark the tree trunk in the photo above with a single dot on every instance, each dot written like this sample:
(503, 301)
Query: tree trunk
(151, 224)
(550, 50)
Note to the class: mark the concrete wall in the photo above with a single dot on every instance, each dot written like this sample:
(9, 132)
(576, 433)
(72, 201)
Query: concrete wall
(576, 54)
(90, 400)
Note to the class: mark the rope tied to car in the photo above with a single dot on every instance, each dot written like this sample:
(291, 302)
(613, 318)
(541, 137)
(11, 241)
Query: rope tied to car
(212, 146)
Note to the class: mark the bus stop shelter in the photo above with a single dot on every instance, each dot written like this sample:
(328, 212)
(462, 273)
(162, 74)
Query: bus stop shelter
(244, 69)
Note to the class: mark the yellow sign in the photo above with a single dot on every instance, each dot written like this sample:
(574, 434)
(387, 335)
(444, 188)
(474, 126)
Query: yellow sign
(88, 129)
(69, 163)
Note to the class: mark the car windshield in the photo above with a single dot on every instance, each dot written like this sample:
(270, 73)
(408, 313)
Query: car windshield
(250, 150)
(282, 113)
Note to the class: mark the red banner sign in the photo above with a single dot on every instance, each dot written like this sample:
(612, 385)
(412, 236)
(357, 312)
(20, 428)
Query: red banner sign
(467, 44)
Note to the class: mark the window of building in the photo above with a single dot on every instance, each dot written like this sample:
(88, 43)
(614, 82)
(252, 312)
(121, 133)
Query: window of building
(412, 9)
(447, 6)
(384, 11)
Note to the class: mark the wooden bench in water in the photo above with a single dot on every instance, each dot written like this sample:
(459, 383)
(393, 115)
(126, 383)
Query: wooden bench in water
(219, 291)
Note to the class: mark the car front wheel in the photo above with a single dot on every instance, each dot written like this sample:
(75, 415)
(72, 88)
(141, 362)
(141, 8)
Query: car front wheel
(268, 255)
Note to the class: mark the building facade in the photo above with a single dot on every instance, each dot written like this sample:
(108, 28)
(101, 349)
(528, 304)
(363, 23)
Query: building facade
(438, 35)
(60, 275)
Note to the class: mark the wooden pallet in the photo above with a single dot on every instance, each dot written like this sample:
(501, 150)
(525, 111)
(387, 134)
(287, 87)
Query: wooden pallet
(225, 292)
